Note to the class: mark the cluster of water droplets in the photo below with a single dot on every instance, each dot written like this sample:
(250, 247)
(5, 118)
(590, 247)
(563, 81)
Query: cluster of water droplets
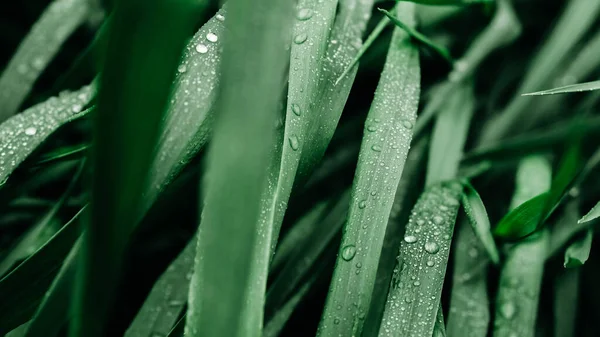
(418, 278)
(38, 48)
(23, 133)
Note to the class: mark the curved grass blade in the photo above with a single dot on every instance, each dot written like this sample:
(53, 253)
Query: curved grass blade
(414, 297)
(521, 276)
(593, 214)
(167, 299)
(22, 289)
(63, 153)
(134, 89)
(381, 161)
(579, 251)
(522, 220)
(253, 67)
(580, 87)
(575, 21)
(450, 134)
(31, 241)
(475, 210)
(35, 52)
(22, 134)
(442, 51)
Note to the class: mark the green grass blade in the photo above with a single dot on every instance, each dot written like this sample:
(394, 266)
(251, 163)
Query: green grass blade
(32, 239)
(167, 299)
(22, 134)
(577, 18)
(565, 228)
(450, 134)
(442, 51)
(384, 149)
(566, 302)
(580, 87)
(522, 220)
(133, 94)
(521, 276)
(469, 304)
(22, 289)
(439, 329)
(61, 154)
(414, 297)
(593, 214)
(50, 316)
(253, 67)
(475, 210)
(39, 47)
(579, 251)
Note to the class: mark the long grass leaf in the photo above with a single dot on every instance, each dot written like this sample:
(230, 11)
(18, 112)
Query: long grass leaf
(381, 161)
(253, 65)
(566, 302)
(475, 210)
(167, 299)
(133, 94)
(593, 214)
(521, 276)
(414, 297)
(579, 251)
(39, 47)
(580, 87)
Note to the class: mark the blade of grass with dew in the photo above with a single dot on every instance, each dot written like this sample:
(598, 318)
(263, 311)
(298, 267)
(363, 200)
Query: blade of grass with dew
(167, 299)
(593, 214)
(443, 52)
(475, 210)
(31, 240)
(253, 67)
(23, 288)
(49, 319)
(450, 134)
(407, 193)
(439, 329)
(383, 152)
(469, 304)
(414, 296)
(308, 251)
(35, 52)
(574, 22)
(566, 302)
(22, 134)
(132, 97)
(580, 87)
(521, 276)
(579, 251)
(61, 154)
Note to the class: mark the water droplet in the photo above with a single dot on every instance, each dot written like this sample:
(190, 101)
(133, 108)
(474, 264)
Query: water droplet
(336, 321)
(438, 220)
(416, 283)
(371, 128)
(348, 252)
(220, 17)
(76, 108)
(508, 310)
(182, 68)
(410, 239)
(38, 63)
(430, 263)
(296, 109)
(30, 131)
(362, 204)
(304, 14)
(293, 140)
(432, 247)
(300, 38)
(212, 37)
(407, 124)
(376, 148)
(202, 49)
(420, 222)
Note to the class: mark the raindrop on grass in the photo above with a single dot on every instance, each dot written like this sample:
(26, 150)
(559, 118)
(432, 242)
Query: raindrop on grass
(220, 17)
(376, 148)
(407, 124)
(508, 310)
(296, 109)
(304, 14)
(410, 239)
(182, 68)
(30, 131)
(438, 220)
(362, 204)
(202, 49)
(300, 38)
(432, 247)
(212, 37)
(294, 144)
(348, 252)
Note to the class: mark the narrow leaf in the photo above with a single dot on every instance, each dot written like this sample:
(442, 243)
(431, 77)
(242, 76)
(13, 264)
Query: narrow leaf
(593, 214)
(580, 87)
(475, 210)
(522, 220)
(579, 251)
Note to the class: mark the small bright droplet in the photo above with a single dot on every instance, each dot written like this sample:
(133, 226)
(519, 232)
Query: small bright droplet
(371, 128)
(348, 252)
(304, 14)
(220, 17)
(438, 220)
(508, 310)
(212, 37)
(30, 131)
(410, 239)
(296, 109)
(202, 49)
(336, 321)
(300, 38)
(432, 247)
(294, 144)
(182, 68)
(430, 263)
(76, 108)
(407, 124)
(376, 148)
(362, 204)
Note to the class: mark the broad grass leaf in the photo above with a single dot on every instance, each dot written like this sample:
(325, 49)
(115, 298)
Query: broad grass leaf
(522, 220)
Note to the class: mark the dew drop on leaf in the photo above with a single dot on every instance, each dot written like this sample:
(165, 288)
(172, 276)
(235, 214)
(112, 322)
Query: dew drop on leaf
(300, 38)
(348, 252)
